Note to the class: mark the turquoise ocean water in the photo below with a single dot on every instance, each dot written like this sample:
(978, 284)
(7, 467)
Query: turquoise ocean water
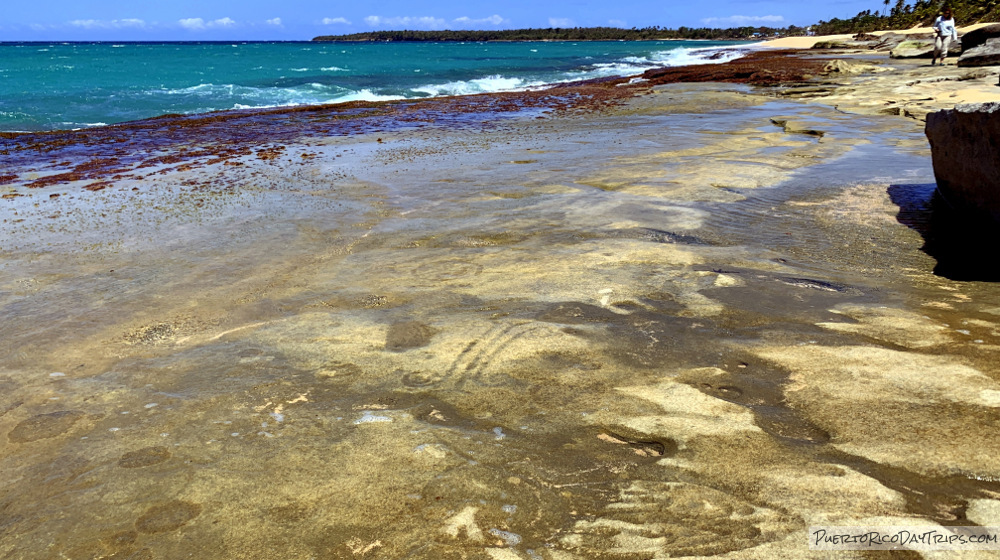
(50, 86)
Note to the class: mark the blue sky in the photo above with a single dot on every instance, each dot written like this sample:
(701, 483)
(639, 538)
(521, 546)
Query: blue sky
(62, 20)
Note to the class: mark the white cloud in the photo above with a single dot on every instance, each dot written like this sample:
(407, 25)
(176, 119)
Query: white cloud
(198, 24)
(274, 21)
(112, 24)
(192, 23)
(428, 22)
(617, 23)
(129, 22)
(492, 20)
(87, 23)
(743, 20)
(561, 22)
(407, 22)
(332, 21)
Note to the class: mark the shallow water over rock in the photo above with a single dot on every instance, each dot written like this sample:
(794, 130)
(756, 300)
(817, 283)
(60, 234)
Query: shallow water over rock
(656, 331)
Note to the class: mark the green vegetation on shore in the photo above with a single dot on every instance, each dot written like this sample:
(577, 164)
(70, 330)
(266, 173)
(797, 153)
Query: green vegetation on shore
(904, 16)
(901, 16)
(571, 34)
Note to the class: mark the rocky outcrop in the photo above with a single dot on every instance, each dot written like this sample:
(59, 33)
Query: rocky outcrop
(847, 67)
(831, 45)
(965, 149)
(986, 54)
(913, 45)
(792, 126)
(913, 49)
(978, 37)
(889, 41)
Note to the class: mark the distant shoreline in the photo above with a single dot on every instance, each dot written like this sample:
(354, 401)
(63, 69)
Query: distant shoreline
(577, 34)
(322, 40)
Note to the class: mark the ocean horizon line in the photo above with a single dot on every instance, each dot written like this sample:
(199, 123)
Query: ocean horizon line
(313, 42)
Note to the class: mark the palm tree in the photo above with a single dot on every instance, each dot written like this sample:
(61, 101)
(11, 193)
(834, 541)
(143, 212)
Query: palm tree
(886, 2)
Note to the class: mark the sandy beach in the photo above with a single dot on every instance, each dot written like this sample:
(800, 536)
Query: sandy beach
(807, 42)
(640, 318)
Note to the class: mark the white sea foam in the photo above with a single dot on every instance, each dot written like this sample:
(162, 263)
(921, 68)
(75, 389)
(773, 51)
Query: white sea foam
(636, 60)
(673, 57)
(368, 95)
(488, 84)
(81, 126)
(281, 97)
(685, 57)
(626, 66)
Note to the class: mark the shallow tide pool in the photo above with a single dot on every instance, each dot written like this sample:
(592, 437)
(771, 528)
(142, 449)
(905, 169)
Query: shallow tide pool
(671, 328)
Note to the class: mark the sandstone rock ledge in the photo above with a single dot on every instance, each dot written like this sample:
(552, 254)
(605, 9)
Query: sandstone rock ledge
(987, 54)
(981, 47)
(965, 149)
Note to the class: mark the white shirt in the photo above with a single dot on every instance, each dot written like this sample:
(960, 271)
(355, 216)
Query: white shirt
(945, 27)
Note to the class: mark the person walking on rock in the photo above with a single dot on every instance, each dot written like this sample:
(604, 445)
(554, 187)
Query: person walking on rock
(944, 34)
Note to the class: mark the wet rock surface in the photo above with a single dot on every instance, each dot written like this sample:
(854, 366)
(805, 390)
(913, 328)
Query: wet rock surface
(624, 344)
